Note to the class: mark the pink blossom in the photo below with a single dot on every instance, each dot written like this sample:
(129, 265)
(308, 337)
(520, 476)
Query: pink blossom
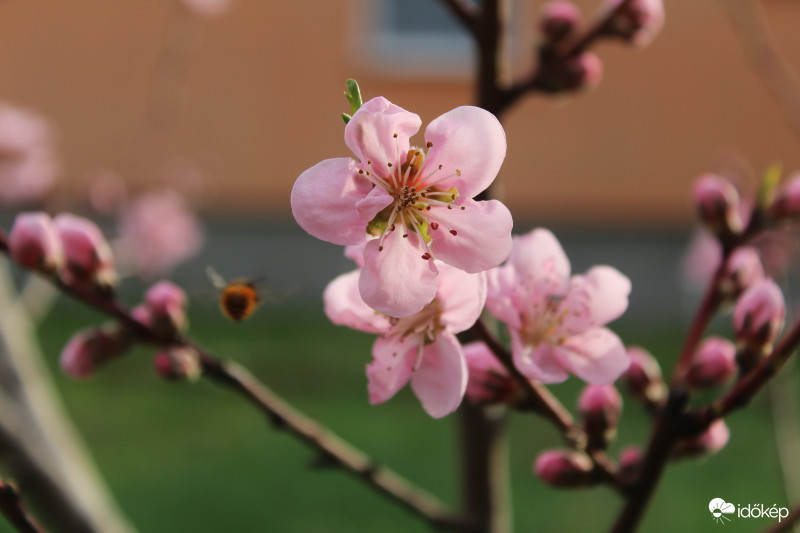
(157, 232)
(421, 348)
(555, 321)
(718, 203)
(416, 200)
(88, 254)
(28, 164)
(488, 379)
(208, 8)
(639, 21)
(759, 314)
(34, 243)
(166, 303)
(91, 348)
(564, 468)
(559, 20)
(713, 364)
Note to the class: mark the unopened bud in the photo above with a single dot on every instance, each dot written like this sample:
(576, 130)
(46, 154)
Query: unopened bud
(644, 378)
(600, 407)
(583, 72)
(141, 314)
(560, 18)
(178, 363)
(638, 22)
(34, 243)
(713, 364)
(708, 442)
(717, 203)
(564, 468)
(742, 270)
(88, 254)
(758, 316)
(787, 203)
(488, 380)
(166, 303)
(630, 463)
(89, 349)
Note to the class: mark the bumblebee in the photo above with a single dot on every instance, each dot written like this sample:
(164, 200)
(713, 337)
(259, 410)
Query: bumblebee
(238, 298)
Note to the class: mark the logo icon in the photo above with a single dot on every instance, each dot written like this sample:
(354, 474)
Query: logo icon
(719, 508)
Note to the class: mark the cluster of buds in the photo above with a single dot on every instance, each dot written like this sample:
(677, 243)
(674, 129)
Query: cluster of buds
(68, 246)
(644, 378)
(565, 468)
(600, 407)
(758, 317)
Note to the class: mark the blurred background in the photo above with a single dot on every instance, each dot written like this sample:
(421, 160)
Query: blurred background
(182, 125)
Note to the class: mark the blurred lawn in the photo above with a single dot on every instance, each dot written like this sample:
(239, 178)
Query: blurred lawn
(183, 457)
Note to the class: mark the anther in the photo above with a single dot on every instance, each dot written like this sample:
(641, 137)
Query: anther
(380, 248)
(369, 162)
(360, 170)
(449, 206)
(453, 232)
(395, 136)
(463, 208)
(428, 208)
(423, 194)
(430, 144)
(440, 167)
(434, 225)
(458, 172)
(389, 164)
(405, 235)
(426, 256)
(416, 153)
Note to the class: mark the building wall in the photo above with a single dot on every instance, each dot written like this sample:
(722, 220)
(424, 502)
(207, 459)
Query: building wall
(264, 93)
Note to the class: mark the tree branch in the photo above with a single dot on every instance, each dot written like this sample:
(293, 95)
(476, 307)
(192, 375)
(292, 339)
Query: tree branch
(465, 12)
(14, 510)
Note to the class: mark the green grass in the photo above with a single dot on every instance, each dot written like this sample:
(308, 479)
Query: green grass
(194, 458)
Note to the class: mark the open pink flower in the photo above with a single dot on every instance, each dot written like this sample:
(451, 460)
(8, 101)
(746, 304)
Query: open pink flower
(416, 200)
(555, 321)
(421, 348)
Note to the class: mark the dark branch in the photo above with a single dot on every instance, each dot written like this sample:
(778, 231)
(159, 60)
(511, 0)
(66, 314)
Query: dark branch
(465, 12)
(14, 510)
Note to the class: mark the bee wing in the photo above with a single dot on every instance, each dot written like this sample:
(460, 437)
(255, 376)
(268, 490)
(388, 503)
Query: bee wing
(216, 280)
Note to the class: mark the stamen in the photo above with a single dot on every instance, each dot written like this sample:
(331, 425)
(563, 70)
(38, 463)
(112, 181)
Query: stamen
(434, 225)
(453, 232)
(430, 144)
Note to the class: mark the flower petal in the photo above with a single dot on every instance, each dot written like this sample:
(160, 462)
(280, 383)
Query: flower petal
(540, 263)
(474, 239)
(468, 139)
(344, 306)
(396, 280)
(441, 380)
(505, 296)
(370, 134)
(461, 295)
(393, 360)
(539, 362)
(596, 356)
(595, 299)
(324, 200)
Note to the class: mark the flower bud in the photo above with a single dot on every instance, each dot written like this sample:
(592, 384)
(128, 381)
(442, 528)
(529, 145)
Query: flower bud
(141, 313)
(787, 203)
(708, 442)
(34, 243)
(718, 204)
(600, 407)
(178, 363)
(713, 364)
(583, 72)
(88, 254)
(166, 303)
(89, 349)
(742, 270)
(630, 462)
(564, 468)
(644, 378)
(638, 22)
(758, 316)
(488, 380)
(560, 18)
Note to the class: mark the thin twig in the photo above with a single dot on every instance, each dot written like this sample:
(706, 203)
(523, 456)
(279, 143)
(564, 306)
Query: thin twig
(465, 12)
(14, 510)
(787, 523)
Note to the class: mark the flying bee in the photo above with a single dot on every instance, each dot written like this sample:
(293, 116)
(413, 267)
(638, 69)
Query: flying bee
(237, 298)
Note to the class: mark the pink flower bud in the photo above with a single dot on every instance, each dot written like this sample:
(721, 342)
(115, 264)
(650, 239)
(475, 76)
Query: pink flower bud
(630, 462)
(559, 20)
(34, 243)
(488, 380)
(600, 407)
(742, 271)
(708, 442)
(89, 349)
(759, 314)
(713, 364)
(178, 363)
(787, 203)
(638, 22)
(563, 468)
(644, 378)
(141, 313)
(167, 305)
(718, 204)
(584, 72)
(88, 254)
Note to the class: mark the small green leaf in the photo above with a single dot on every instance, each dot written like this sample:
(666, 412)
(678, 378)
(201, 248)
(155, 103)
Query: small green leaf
(766, 192)
(353, 95)
(346, 117)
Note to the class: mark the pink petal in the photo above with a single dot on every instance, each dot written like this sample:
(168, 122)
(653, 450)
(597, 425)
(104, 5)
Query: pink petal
(373, 203)
(596, 356)
(540, 262)
(595, 299)
(538, 362)
(470, 140)
(475, 239)
(370, 134)
(503, 294)
(393, 360)
(441, 380)
(396, 280)
(324, 200)
(461, 296)
(344, 306)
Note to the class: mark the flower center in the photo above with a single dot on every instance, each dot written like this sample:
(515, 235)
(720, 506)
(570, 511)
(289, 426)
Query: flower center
(543, 322)
(423, 325)
(415, 194)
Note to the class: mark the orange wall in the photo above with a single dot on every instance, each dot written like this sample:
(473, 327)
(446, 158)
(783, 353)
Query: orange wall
(265, 85)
